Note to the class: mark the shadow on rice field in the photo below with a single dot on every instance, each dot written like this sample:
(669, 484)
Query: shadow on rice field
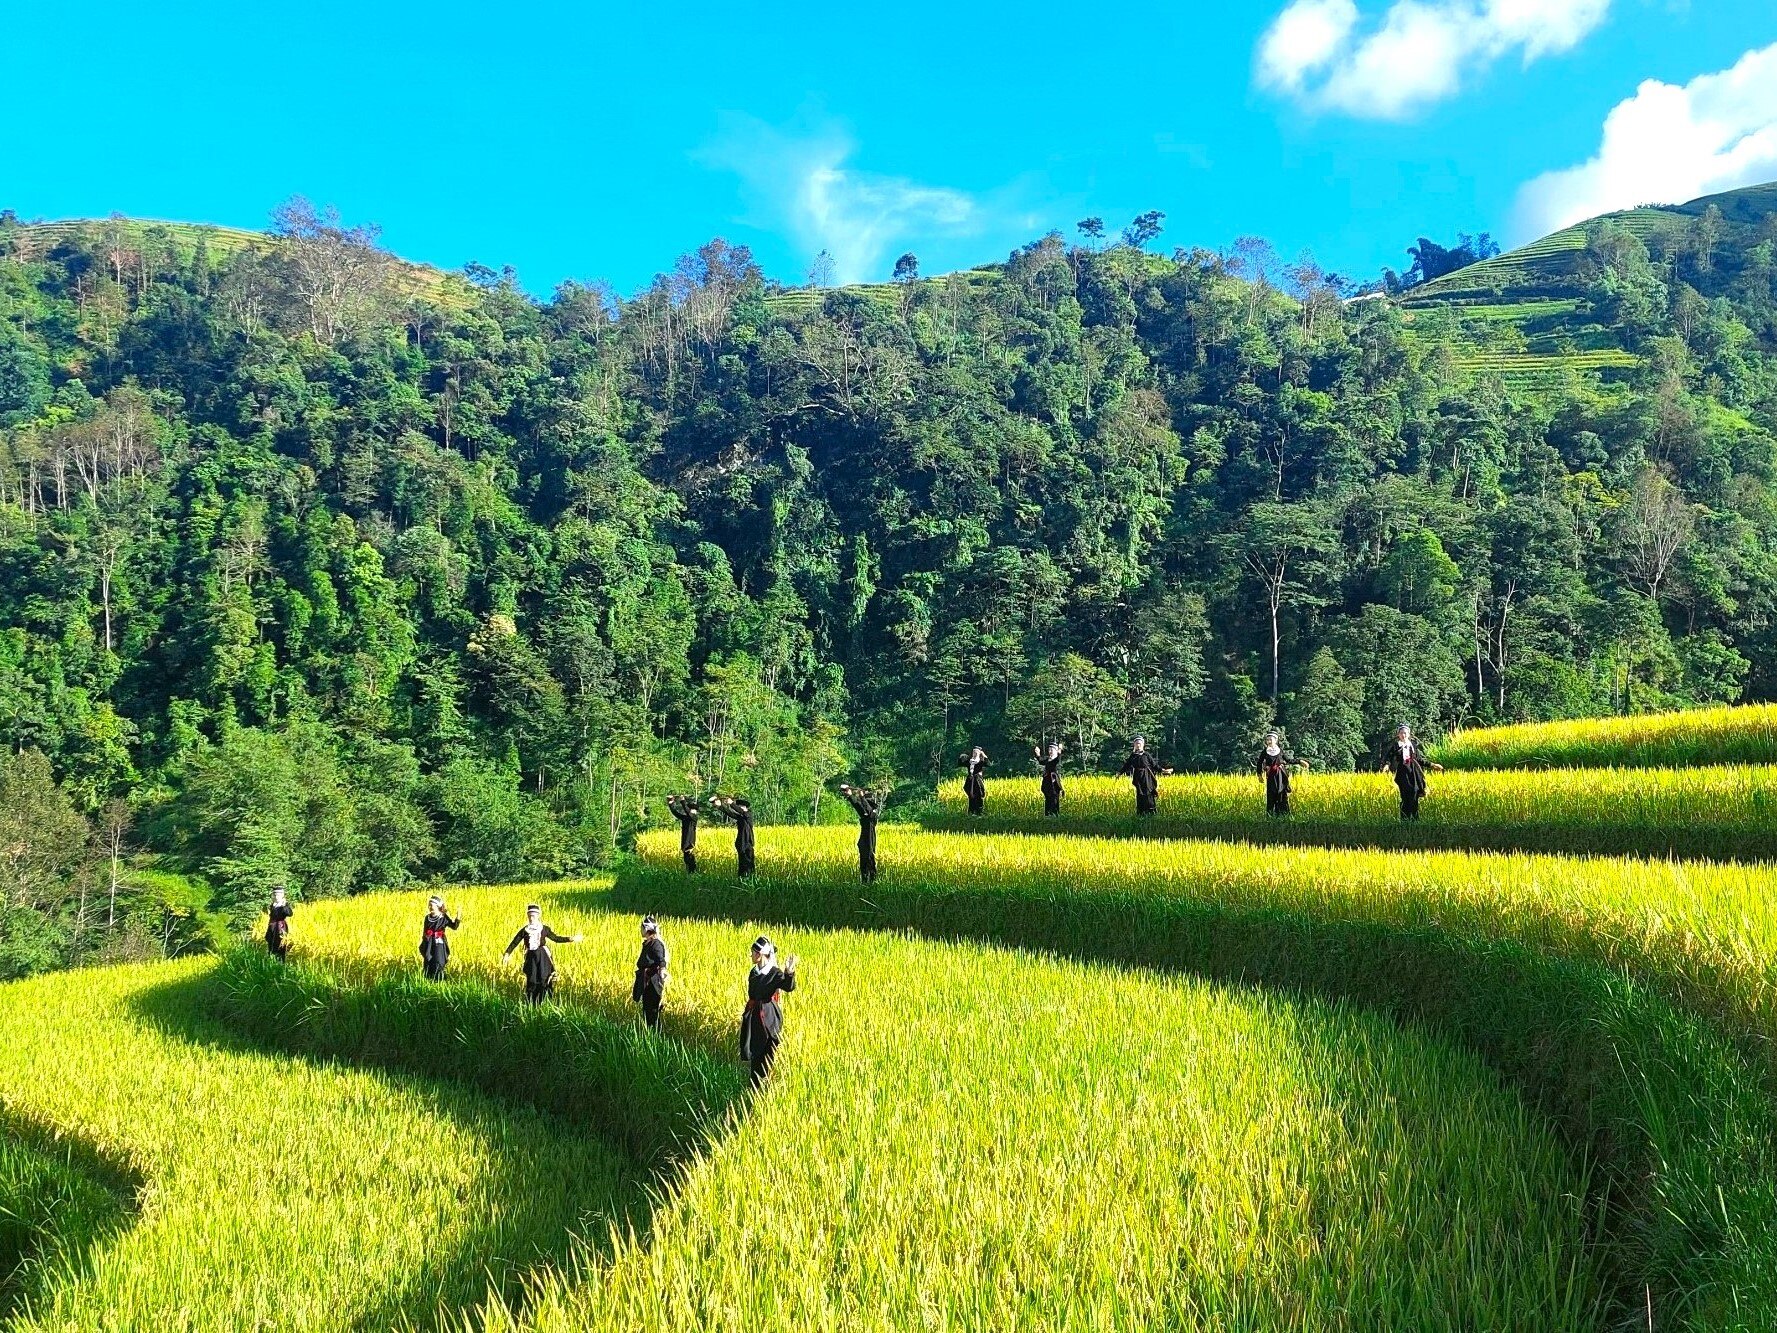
(1666, 1109)
(639, 1107)
(60, 1198)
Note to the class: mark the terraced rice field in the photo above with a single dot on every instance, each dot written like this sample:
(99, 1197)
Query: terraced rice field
(959, 1135)
(1722, 811)
(1033, 1082)
(1744, 734)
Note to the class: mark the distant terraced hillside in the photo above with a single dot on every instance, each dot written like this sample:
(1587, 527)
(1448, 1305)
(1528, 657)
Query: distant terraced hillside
(182, 240)
(1523, 315)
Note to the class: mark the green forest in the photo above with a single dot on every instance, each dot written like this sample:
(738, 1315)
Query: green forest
(323, 568)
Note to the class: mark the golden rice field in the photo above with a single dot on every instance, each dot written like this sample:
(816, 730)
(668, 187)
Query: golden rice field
(1032, 1080)
(1724, 811)
(959, 1135)
(1632, 1001)
(1743, 734)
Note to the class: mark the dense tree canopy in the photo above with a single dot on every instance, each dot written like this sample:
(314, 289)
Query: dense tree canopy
(344, 574)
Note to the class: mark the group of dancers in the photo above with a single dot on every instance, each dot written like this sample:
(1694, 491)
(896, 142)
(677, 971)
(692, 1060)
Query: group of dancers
(688, 810)
(1401, 757)
(761, 1021)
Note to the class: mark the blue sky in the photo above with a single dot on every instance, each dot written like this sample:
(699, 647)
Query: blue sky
(573, 141)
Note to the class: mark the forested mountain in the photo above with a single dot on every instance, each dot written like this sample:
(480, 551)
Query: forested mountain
(318, 565)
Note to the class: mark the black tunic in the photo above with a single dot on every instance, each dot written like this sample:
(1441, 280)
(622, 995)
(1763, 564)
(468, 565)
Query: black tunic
(975, 784)
(650, 981)
(762, 1021)
(434, 946)
(869, 807)
(1276, 771)
(742, 815)
(686, 813)
(1142, 769)
(277, 928)
(539, 963)
(1052, 785)
(1408, 767)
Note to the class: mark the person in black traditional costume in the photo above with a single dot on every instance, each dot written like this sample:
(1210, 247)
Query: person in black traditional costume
(868, 804)
(1051, 784)
(1275, 764)
(1403, 757)
(277, 924)
(1142, 769)
(685, 810)
(740, 812)
(539, 963)
(650, 987)
(762, 1021)
(434, 946)
(975, 785)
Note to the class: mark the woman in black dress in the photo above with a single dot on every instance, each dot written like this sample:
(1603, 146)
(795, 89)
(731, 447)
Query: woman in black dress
(868, 804)
(975, 785)
(434, 946)
(740, 813)
(1051, 763)
(277, 925)
(762, 1021)
(649, 990)
(1142, 769)
(539, 963)
(685, 810)
(1275, 764)
(1403, 757)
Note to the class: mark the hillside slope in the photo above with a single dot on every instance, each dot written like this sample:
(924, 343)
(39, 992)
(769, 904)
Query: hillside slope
(181, 242)
(1534, 315)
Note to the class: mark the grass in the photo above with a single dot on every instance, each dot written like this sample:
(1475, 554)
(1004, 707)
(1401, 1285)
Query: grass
(958, 1135)
(1717, 812)
(1745, 734)
(1632, 1001)
(58, 1199)
(280, 1192)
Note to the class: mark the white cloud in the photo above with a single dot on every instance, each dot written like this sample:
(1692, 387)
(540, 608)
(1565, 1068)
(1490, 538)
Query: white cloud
(1322, 52)
(1304, 38)
(800, 180)
(1668, 145)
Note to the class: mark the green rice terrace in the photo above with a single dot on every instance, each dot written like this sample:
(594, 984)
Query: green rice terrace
(1040, 1081)
(1523, 316)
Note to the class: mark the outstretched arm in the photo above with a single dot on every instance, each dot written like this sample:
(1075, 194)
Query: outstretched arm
(510, 947)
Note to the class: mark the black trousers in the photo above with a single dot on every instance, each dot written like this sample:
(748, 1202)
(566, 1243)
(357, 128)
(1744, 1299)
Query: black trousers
(435, 967)
(1409, 803)
(975, 800)
(279, 948)
(746, 862)
(535, 992)
(1146, 802)
(867, 864)
(1052, 805)
(651, 1002)
(690, 860)
(1277, 802)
